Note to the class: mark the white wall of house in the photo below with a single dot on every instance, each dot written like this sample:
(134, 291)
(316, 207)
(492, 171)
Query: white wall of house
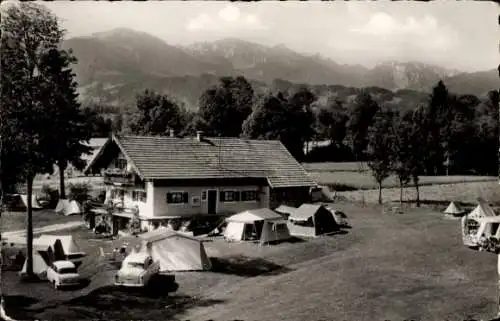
(197, 205)
(145, 208)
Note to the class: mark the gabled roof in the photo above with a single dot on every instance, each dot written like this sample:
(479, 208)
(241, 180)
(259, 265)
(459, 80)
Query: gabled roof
(305, 211)
(157, 158)
(254, 215)
(161, 234)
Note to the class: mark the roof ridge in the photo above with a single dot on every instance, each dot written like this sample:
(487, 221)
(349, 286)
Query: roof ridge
(194, 138)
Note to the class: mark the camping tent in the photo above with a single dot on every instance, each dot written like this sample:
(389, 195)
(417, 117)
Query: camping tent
(261, 225)
(312, 220)
(482, 210)
(175, 252)
(470, 222)
(19, 202)
(42, 258)
(453, 209)
(64, 244)
(285, 210)
(67, 207)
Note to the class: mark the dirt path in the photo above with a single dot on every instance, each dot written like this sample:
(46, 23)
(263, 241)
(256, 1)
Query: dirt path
(20, 235)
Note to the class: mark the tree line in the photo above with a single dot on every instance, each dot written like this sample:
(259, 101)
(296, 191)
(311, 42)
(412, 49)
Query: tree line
(458, 133)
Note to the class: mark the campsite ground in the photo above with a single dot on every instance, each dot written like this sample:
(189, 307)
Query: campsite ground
(405, 266)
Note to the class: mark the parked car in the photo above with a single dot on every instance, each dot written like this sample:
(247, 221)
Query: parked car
(63, 274)
(137, 270)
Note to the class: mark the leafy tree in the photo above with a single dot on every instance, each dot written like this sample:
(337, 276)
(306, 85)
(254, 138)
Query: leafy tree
(380, 148)
(98, 125)
(438, 129)
(28, 31)
(331, 123)
(361, 118)
(70, 128)
(157, 114)
(415, 122)
(225, 106)
(402, 154)
(289, 121)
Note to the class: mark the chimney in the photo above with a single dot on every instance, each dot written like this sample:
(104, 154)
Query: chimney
(172, 134)
(199, 135)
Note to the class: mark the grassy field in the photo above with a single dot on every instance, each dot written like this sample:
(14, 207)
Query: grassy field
(396, 267)
(345, 180)
(335, 167)
(434, 194)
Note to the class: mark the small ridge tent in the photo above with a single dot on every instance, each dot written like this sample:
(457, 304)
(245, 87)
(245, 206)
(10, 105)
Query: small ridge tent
(285, 210)
(67, 207)
(64, 244)
(312, 220)
(453, 209)
(42, 258)
(261, 225)
(470, 222)
(174, 251)
(19, 202)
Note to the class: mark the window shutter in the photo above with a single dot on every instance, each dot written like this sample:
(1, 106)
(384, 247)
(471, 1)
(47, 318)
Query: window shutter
(169, 198)
(222, 196)
(185, 197)
(237, 196)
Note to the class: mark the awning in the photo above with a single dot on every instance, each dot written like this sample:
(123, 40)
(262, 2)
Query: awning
(99, 211)
(166, 217)
(123, 214)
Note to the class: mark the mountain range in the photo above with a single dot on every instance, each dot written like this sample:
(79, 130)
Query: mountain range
(114, 65)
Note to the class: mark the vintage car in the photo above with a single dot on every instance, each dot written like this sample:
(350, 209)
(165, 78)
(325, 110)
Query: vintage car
(137, 270)
(63, 274)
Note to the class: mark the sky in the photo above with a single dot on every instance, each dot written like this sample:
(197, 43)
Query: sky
(461, 35)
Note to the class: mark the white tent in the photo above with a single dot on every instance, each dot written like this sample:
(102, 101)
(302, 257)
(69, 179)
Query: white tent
(261, 225)
(175, 252)
(67, 243)
(20, 202)
(481, 210)
(453, 209)
(34, 201)
(67, 207)
(312, 220)
(285, 210)
(41, 261)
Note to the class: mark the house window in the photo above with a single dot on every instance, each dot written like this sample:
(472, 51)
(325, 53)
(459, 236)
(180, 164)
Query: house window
(117, 193)
(177, 198)
(248, 196)
(139, 196)
(121, 163)
(204, 195)
(229, 196)
(195, 201)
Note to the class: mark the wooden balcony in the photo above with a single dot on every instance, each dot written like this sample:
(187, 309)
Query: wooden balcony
(118, 177)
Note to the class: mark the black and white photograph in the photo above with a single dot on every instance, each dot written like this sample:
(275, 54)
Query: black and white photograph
(250, 161)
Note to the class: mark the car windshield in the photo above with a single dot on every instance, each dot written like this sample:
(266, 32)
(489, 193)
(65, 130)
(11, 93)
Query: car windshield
(135, 265)
(67, 271)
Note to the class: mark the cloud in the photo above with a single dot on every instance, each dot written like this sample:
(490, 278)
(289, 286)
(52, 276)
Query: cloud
(424, 32)
(228, 18)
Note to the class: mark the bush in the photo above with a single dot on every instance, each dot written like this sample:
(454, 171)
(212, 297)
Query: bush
(80, 192)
